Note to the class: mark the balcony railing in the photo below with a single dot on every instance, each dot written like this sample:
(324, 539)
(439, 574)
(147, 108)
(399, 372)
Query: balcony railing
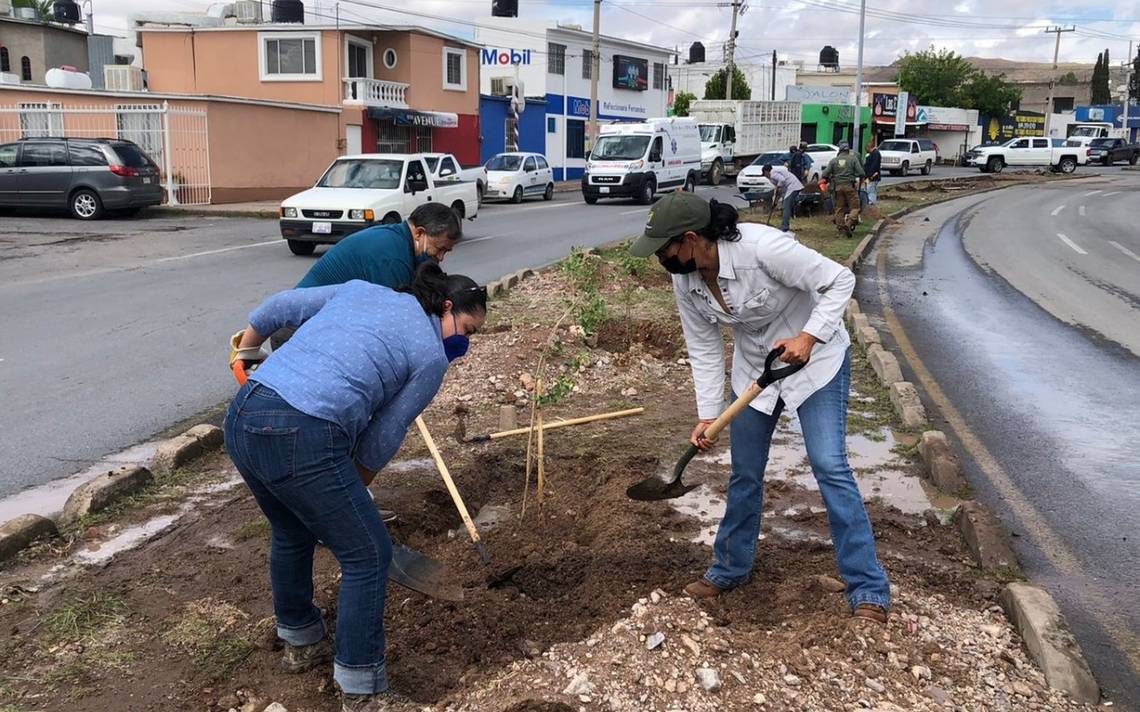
(375, 92)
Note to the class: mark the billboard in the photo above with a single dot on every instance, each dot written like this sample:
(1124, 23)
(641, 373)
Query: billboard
(631, 73)
(885, 106)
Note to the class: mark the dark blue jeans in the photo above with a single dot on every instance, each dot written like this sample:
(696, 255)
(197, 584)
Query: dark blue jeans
(823, 418)
(790, 202)
(303, 478)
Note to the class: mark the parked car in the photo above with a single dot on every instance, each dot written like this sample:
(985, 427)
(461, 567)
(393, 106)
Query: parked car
(821, 154)
(88, 176)
(752, 177)
(902, 155)
(514, 176)
(360, 191)
(1058, 154)
(1111, 150)
(445, 168)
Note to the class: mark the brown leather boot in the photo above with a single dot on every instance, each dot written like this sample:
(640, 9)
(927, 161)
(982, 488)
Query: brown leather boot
(701, 589)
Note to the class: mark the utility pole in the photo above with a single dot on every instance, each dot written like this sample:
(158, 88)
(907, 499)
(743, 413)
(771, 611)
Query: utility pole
(856, 141)
(1127, 65)
(736, 5)
(773, 75)
(595, 67)
(1057, 29)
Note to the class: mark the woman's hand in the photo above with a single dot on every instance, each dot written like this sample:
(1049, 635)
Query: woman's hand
(698, 437)
(798, 349)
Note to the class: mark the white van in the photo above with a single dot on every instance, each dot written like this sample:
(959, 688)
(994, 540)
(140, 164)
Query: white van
(642, 159)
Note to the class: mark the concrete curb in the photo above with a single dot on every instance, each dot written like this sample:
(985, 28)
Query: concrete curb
(1046, 634)
(941, 464)
(986, 538)
(184, 448)
(904, 397)
(19, 533)
(504, 284)
(169, 212)
(885, 364)
(101, 492)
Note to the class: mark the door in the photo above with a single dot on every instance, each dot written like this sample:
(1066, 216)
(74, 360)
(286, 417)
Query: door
(448, 170)
(1041, 154)
(48, 173)
(545, 175)
(1019, 153)
(417, 189)
(9, 174)
(657, 162)
(352, 140)
(530, 176)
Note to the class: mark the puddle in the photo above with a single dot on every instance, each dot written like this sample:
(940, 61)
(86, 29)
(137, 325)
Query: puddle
(48, 499)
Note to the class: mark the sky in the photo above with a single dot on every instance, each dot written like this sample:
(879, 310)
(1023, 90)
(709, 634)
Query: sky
(796, 29)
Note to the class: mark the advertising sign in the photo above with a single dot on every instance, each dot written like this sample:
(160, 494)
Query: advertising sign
(492, 56)
(631, 73)
(885, 107)
(819, 95)
(902, 116)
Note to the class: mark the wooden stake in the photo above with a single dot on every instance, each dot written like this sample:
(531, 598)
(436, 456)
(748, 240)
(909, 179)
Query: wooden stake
(541, 464)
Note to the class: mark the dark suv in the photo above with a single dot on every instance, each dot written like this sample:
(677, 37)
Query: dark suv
(88, 176)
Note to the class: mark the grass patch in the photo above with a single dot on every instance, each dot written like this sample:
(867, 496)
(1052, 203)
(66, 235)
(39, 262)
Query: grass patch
(253, 529)
(556, 392)
(868, 417)
(207, 631)
(83, 618)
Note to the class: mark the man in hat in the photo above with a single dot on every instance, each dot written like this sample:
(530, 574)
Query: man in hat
(844, 173)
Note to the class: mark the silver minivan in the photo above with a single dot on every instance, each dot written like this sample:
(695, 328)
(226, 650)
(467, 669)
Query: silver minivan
(88, 176)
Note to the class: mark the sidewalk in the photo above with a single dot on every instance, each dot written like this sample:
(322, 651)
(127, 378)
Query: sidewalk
(268, 208)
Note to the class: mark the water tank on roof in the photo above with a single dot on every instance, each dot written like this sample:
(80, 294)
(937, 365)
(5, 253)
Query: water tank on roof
(288, 11)
(829, 57)
(696, 53)
(504, 8)
(65, 11)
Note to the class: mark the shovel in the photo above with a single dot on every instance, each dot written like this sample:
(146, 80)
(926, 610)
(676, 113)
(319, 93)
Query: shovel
(413, 570)
(652, 489)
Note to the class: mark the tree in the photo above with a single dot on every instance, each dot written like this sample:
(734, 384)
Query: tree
(1100, 92)
(991, 95)
(935, 77)
(714, 88)
(1134, 80)
(681, 103)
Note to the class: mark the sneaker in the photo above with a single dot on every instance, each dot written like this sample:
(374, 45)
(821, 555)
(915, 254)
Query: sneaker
(301, 658)
(374, 703)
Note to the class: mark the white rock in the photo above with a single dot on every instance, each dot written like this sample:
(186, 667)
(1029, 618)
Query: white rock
(920, 672)
(759, 699)
(654, 641)
(875, 685)
(791, 681)
(579, 685)
(276, 707)
(709, 679)
(655, 597)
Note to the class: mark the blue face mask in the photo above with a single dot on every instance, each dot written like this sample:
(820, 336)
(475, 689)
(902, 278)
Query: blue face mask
(456, 345)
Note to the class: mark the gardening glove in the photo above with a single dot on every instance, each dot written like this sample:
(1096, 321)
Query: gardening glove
(244, 360)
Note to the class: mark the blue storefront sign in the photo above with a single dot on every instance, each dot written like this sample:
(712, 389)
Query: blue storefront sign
(578, 107)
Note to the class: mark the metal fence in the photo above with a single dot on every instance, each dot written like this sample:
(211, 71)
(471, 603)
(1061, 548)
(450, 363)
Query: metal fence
(175, 136)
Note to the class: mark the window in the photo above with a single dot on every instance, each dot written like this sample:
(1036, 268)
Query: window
(542, 164)
(39, 120)
(8, 155)
(141, 124)
(131, 155)
(392, 138)
(448, 168)
(658, 75)
(510, 126)
(551, 124)
(5, 63)
(25, 69)
(359, 57)
(1041, 143)
(290, 57)
(48, 153)
(1063, 104)
(587, 63)
(1023, 143)
(454, 69)
(416, 179)
(556, 58)
(86, 154)
(575, 138)
(423, 139)
(390, 58)
(530, 166)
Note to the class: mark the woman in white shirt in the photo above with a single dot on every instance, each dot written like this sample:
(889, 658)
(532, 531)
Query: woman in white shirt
(773, 292)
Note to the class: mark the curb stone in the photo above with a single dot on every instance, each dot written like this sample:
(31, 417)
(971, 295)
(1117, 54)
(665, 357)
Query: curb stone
(102, 491)
(886, 366)
(1046, 634)
(853, 308)
(985, 537)
(867, 335)
(502, 285)
(184, 448)
(941, 464)
(19, 533)
(904, 397)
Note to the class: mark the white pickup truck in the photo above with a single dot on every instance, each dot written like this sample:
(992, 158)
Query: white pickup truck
(1027, 151)
(364, 190)
(445, 168)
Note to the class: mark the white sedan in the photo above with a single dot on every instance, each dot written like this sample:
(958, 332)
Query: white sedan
(514, 176)
(821, 154)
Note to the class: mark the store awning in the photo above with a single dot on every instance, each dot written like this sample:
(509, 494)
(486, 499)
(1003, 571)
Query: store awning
(947, 127)
(890, 121)
(410, 117)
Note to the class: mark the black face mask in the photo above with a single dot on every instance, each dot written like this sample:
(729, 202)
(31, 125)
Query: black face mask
(674, 265)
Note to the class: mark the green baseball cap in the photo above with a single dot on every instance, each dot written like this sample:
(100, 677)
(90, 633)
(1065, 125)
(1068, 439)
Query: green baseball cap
(671, 217)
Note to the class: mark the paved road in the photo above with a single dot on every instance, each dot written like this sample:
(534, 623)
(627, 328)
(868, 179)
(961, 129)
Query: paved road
(115, 330)
(1031, 359)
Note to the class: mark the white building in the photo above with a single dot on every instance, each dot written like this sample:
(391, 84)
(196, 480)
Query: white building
(553, 61)
(693, 77)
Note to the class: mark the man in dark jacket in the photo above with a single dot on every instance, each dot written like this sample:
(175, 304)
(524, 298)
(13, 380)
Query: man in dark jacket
(873, 167)
(796, 163)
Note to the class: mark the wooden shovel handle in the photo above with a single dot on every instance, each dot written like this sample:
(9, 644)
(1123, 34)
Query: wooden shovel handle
(733, 410)
(452, 490)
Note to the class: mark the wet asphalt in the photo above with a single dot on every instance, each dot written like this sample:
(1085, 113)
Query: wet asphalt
(1034, 342)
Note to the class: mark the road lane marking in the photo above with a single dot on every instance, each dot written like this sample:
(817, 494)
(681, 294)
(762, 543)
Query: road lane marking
(1055, 549)
(1081, 211)
(1114, 243)
(1072, 244)
(1092, 192)
(631, 212)
(1115, 192)
(217, 252)
(1057, 210)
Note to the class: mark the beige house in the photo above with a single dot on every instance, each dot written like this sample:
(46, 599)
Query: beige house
(29, 48)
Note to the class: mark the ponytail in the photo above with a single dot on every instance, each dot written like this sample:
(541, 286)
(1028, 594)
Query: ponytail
(722, 223)
(432, 287)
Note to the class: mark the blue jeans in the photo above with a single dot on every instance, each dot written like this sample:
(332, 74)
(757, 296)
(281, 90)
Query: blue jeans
(823, 417)
(790, 201)
(305, 481)
(872, 192)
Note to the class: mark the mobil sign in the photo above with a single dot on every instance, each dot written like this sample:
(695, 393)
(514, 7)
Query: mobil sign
(492, 56)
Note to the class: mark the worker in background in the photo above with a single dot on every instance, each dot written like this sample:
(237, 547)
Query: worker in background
(873, 168)
(310, 429)
(796, 162)
(808, 161)
(844, 173)
(787, 189)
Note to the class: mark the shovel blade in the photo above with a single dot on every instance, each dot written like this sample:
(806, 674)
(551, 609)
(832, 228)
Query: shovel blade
(654, 489)
(413, 570)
